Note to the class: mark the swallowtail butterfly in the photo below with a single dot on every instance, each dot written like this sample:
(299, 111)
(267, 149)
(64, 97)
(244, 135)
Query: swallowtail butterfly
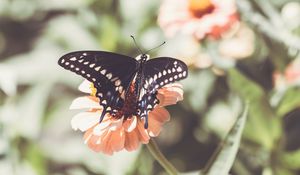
(125, 86)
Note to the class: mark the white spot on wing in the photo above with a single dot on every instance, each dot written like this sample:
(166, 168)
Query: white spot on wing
(117, 83)
(109, 76)
(103, 72)
(92, 65)
(97, 68)
(73, 59)
(159, 74)
(179, 69)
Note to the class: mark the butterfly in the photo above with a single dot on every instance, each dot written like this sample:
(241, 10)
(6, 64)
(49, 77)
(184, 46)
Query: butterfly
(125, 85)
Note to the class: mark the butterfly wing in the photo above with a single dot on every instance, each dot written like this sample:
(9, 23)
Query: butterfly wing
(159, 72)
(110, 73)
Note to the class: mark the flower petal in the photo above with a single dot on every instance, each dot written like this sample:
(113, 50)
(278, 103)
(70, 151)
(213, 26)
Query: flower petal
(117, 139)
(130, 124)
(131, 141)
(154, 127)
(85, 86)
(101, 128)
(170, 94)
(160, 114)
(85, 103)
(94, 143)
(85, 120)
(105, 146)
(157, 118)
(142, 132)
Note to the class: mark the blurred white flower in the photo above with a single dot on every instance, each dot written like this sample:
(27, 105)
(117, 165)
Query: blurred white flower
(291, 13)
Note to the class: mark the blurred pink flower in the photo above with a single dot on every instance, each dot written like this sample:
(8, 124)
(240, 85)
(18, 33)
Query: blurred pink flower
(200, 18)
(291, 75)
(112, 134)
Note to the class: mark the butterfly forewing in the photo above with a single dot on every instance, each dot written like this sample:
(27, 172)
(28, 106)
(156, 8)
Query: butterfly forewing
(110, 73)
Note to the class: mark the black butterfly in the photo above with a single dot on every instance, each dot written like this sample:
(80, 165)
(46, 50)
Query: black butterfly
(114, 75)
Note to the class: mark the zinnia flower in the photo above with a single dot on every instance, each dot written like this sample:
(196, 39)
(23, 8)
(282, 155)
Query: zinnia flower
(112, 135)
(290, 77)
(200, 18)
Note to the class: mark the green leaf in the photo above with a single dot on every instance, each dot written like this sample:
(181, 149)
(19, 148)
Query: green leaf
(291, 160)
(36, 158)
(109, 34)
(289, 101)
(263, 127)
(224, 157)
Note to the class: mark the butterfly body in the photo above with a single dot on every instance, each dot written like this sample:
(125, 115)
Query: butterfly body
(125, 86)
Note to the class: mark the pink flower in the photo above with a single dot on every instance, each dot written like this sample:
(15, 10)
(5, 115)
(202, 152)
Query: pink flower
(113, 135)
(290, 77)
(200, 18)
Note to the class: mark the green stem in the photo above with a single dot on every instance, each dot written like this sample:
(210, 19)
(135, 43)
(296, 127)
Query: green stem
(154, 150)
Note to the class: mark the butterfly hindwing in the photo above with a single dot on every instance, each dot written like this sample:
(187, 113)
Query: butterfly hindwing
(110, 73)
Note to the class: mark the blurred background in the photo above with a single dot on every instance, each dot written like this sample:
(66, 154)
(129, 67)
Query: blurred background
(236, 51)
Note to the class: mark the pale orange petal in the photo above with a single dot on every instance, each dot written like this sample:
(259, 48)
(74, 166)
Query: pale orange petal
(160, 114)
(131, 141)
(87, 135)
(170, 94)
(105, 146)
(156, 119)
(117, 139)
(94, 143)
(85, 87)
(85, 102)
(154, 127)
(115, 124)
(85, 120)
(142, 132)
(130, 124)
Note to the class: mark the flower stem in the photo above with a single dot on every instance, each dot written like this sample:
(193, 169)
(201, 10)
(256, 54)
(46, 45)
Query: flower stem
(154, 150)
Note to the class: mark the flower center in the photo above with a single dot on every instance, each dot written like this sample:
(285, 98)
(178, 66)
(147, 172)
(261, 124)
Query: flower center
(93, 90)
(200, 7)
(130, 104)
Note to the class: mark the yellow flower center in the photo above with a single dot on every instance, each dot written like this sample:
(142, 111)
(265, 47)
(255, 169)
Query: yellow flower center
(200, 7)
(93, 89)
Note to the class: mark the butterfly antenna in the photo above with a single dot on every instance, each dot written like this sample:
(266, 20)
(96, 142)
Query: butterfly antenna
(156, 47)
(137, 46)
